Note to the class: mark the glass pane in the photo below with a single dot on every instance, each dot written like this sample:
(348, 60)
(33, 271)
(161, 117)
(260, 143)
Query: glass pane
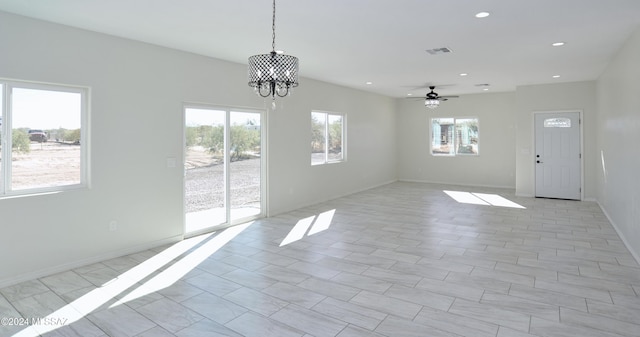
(45, 138)
(318, 140)
(442, 136)
(467, 136)
(557, 123)
(335, 137)
(204, 169)
(244, 168)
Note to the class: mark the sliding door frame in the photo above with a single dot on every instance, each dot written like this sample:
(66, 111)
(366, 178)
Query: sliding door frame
(227, 173)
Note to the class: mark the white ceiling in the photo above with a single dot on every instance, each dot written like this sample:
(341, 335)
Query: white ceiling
(351, 42)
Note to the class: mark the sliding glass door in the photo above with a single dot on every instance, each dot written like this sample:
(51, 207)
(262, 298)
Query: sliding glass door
(223, 167)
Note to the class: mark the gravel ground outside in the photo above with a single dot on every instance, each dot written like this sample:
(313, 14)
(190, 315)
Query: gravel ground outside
(204, 182)
(55, 164)
(47, 164)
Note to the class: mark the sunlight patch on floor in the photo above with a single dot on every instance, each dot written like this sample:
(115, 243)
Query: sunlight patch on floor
(175, 272)
(323, 222)
(310, 226)
(298, 231)
(482, 199)
(93, 300)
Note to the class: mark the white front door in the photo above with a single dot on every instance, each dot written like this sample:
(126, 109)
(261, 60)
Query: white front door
(558, 157)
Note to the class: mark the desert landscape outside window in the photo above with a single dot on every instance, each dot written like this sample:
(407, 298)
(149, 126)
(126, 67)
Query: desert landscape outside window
(42, 137)
(327, 134)
(454, 136)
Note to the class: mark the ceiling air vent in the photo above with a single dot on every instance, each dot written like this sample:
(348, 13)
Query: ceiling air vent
(438, 51)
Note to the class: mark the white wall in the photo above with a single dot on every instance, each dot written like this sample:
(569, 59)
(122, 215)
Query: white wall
(370, 146)
(618, 149)
(576, 96)
(495, 164)
(137, 95)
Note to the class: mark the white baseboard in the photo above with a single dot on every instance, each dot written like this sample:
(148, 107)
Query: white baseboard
(620, 234)
(455, 184)
(303, 205)
(36, 274)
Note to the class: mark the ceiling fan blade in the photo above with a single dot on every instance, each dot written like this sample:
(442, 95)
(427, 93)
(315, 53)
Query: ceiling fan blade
(419, 86)
(448, 96)
(413, 88)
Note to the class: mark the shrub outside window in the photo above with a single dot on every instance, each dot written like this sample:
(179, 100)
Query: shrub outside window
(327, 137)
(454, 136)
(43, 141)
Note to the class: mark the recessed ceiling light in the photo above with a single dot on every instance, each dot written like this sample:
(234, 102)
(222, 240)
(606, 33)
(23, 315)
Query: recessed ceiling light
(409, 94)
(557, 44)
(556, 76)
(369, 83)
(486, 89)
(464, 74)
(482, 15)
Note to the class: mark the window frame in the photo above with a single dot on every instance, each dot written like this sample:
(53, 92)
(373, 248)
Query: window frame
(6, 89)
(455, 145)
(343, 134)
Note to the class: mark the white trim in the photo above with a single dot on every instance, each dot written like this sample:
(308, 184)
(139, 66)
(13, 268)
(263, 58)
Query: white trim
(307, 204)
(226, 162)
(264, 167)
(459, 184)
(182, 170)
(84, 262)
(5, 156)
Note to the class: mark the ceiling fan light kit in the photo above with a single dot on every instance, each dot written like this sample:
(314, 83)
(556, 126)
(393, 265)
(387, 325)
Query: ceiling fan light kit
(432, 100)
(273, 74)
(432, 103)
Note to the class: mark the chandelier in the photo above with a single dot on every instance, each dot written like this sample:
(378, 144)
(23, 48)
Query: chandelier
(273, 74)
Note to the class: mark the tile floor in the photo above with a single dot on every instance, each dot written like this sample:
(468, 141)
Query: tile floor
(405, 259)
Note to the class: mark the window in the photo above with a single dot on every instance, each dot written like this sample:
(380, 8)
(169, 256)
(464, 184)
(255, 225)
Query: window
(43, 137)
(327, 137)
(557, 123)
(454, 136)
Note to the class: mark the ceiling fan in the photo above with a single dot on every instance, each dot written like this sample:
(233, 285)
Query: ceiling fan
(432, 100)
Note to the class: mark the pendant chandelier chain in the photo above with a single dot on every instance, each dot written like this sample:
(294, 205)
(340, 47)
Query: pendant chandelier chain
(273, 28)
